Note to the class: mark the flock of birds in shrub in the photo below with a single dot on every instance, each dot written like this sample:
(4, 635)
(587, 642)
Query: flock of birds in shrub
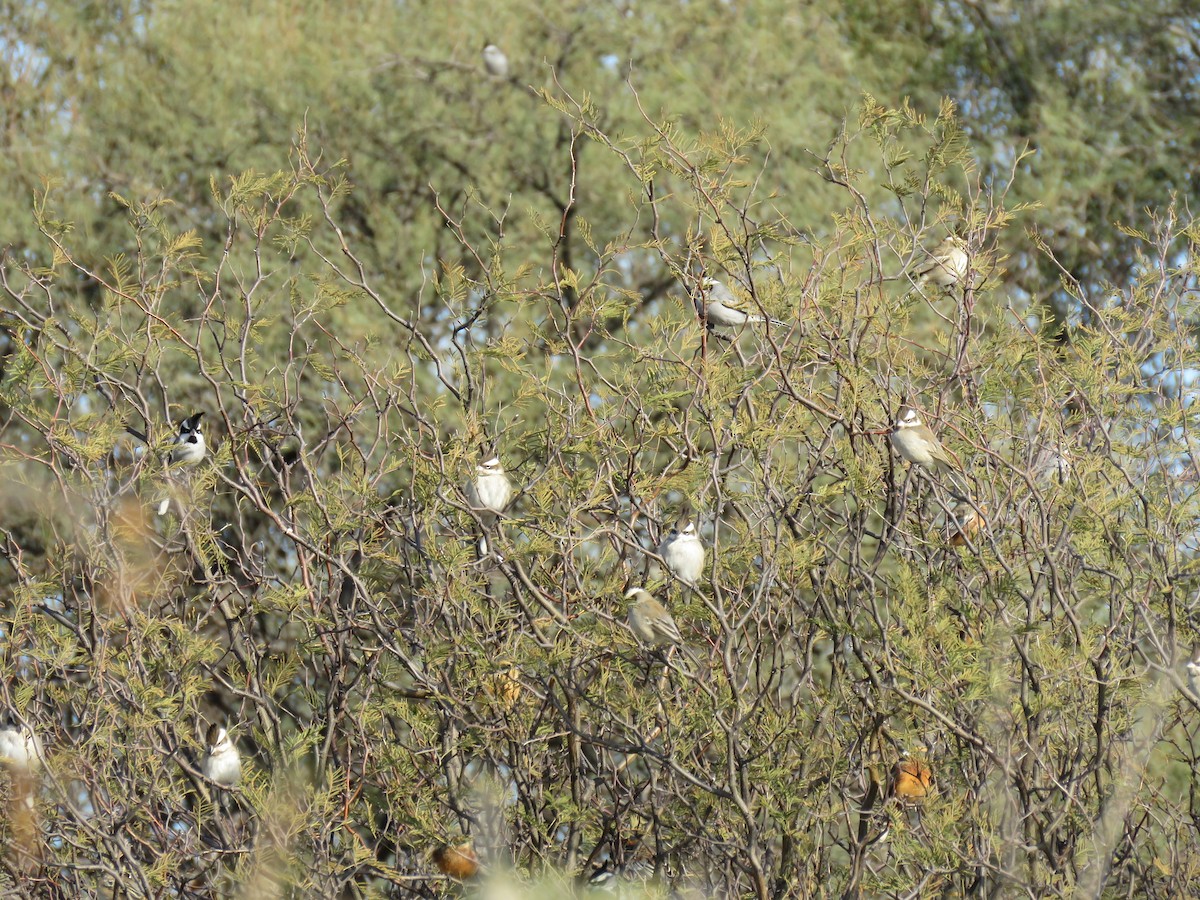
(489, 494)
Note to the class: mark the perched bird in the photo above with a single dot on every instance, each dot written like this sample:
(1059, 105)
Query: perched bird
(21, 753)
(188, 447)
(505, 687)
(720, 307)
(911, 781)
(1193, 669)
(459, 862)
(489, 494)
(222, 763)
(966, 521)
(649, 620)
(20, 748)
(604, 879)
(1052, 465)
(946, 265)
(629, 880)
(491, 490)
(495, 61)
(916, 443)
(683, 553)
(187, 450)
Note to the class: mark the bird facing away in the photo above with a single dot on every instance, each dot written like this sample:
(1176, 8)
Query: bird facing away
(20, 748)
(916, 443)
(966, 521)
(683, 553)
(1193, 669)
(505, 687)
(187, 450)
(222, 763)
(721, 308)
(911, 782)
(649, 620)
(459, 862)
(495, 61)
(946, 265)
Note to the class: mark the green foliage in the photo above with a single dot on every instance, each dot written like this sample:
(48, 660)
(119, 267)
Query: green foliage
(368, 263)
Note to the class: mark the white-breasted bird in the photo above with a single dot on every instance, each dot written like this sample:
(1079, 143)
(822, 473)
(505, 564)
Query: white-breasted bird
(722, 308)
(1052, 465)
(222, 763)
(491, 490)
(650, 621)
(683, 553)
(20, 749)
(915, 442)
(628, 880)
(1193, 669)
(495, 61)
(946, 265)
(489, 493)
(187, 450)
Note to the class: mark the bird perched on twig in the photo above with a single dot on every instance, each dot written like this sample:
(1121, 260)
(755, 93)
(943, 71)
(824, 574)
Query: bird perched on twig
(946, 264)
(459, 862)
(1052, 465)
(20, 748)
(650, 621)
(187, 450)
(683, 553)
(629, 880)
(21, 753)
(504, 686)
(965, 522)
(222, 762)
(719, 307)
(1193, 669)
(911, 781)
(489, 494)
(495, 61)
(914, 441)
